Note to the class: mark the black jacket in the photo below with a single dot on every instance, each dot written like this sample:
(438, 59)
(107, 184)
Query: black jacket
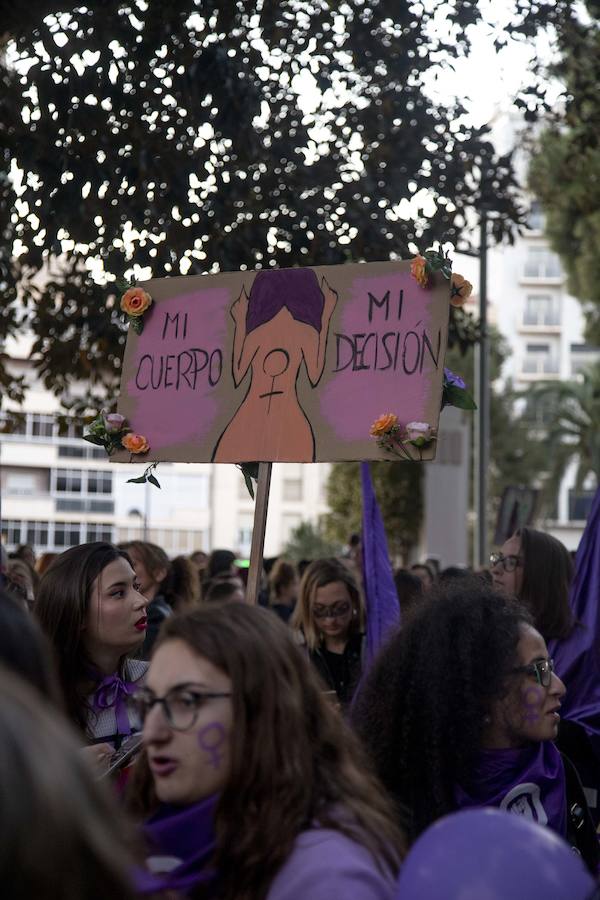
(340, 672)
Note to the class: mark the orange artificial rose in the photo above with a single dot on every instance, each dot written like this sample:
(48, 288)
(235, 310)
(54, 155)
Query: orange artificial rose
(460, 290)
(135, 443)
(135, 301)
(383, 424)
(418, 270)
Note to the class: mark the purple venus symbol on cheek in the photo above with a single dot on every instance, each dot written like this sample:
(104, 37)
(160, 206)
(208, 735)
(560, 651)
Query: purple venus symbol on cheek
(210, 739)
(532, 699)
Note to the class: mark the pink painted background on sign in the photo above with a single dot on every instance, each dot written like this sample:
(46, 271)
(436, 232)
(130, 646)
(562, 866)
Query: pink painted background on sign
(187, 423)
(347, 400)
(166, 416)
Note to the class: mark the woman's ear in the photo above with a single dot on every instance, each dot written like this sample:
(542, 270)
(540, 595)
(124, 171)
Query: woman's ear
(159, 575)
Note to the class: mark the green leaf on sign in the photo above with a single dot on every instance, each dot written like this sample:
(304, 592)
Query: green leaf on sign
(140, 480)
(137, 323)
(153, 480)
(455, 396)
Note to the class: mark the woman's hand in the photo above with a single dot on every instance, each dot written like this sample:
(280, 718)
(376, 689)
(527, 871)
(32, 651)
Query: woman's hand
(239, 309)
(98, 757)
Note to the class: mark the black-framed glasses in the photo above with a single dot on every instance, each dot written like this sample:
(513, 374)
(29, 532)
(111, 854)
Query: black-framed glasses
(181, 705)
(508, 563)
(335, 611)
(541, 669)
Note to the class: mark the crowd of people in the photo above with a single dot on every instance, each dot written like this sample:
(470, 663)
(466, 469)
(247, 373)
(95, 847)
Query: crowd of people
(162, 738)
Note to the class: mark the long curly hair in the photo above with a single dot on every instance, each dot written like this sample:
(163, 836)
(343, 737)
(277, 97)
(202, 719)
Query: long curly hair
(421, 712)
(294, 762)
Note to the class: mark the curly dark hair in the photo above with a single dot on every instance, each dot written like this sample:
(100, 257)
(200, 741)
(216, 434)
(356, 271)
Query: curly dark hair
(421, 712)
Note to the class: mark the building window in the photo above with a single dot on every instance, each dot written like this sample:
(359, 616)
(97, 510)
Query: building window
(540, 359)
(67, 534)
(21, 483)
(99, 533)
(582, 357)
(535, 218)
(99, 482)
(42, 425)
(37, 534)
(292, 489)
(541, 310)
(11, 532)
(71, 451)
(542, 263)
(69, 481)
(539, 411)
(580, 504)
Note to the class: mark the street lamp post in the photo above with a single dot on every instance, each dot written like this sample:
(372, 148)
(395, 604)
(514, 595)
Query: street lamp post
(482, 396)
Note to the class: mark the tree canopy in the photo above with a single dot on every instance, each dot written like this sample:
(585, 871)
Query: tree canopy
(398, 486)
(187, 137)
(565, 169)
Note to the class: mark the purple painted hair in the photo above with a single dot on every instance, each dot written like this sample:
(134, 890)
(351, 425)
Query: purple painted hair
(296, 289)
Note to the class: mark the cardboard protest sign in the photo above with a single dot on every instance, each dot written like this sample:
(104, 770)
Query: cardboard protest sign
(289, 365)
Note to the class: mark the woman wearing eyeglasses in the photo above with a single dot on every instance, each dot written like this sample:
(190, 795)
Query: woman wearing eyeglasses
(537, 569)
(329, 615)
(462, 709)
(250, 785)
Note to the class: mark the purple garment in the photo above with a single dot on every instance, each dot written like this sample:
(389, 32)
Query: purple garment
(113, 692)
(529, 781)
(577, 659)
(383, 608)
(326, 865)
(180, 842)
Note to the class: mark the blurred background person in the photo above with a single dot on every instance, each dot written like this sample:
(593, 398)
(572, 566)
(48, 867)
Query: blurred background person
(410, 593)
(283, 589)
(168, 585)
(330, 617)
(425, 573)
(62, 837)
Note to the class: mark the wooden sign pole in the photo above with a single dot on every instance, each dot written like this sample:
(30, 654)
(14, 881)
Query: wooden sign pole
(258, 531)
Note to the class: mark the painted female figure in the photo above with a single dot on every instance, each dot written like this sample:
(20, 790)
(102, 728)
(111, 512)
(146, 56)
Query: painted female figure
(282, 324)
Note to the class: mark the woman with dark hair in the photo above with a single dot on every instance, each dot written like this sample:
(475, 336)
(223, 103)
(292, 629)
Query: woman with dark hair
(169, 585)
(91, 609)
(330, 616)
(255, 788)
(25, 650)
(62, 836)
(410, 590)
(537, 569)
(461, 710)
(282, 325)
(283, 589)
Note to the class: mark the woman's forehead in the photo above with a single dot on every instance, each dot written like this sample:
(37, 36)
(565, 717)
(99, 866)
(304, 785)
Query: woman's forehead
(531, 644)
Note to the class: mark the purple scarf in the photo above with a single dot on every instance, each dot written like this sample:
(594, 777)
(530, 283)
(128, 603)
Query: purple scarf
(112, 691)
(529, 782)
(180, 841)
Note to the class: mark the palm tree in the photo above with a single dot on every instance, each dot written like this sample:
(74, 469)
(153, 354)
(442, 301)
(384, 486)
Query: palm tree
(573, 427)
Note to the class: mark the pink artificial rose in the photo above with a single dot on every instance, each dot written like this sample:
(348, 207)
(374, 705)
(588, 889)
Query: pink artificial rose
(113, 422)
(419, 433)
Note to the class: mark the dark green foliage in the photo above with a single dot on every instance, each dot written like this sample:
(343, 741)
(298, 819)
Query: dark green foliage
(307, 541)
(565, 170)
(398, 487)
(184, 132)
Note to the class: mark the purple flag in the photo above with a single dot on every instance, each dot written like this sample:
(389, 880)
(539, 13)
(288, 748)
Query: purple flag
(577, 659)
(383, 608)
